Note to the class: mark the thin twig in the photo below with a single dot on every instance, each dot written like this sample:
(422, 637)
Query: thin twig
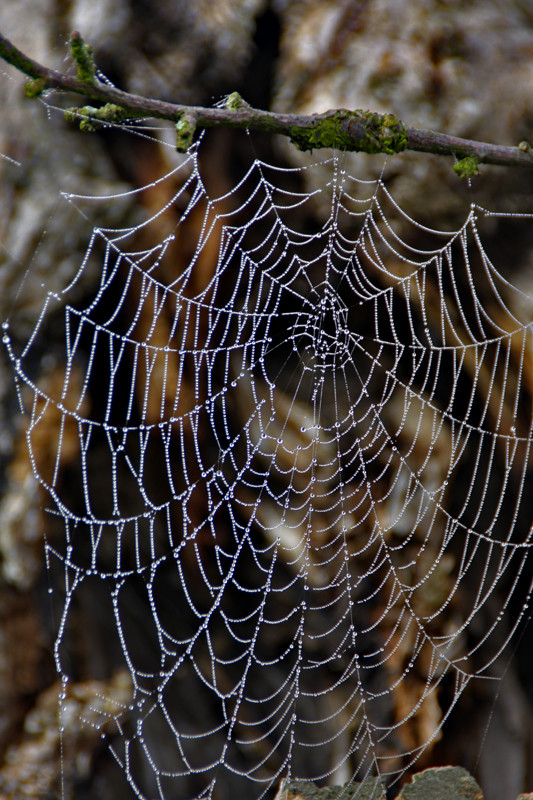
(347, 130)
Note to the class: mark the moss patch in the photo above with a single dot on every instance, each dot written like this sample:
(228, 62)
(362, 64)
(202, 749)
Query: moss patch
(234, 102)
(35, 87)
(467, 167)
(82, 56)
(185, 128)
(363, 131)
(90, 118)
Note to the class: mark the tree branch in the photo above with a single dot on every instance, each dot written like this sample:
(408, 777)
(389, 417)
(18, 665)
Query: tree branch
(358, 130)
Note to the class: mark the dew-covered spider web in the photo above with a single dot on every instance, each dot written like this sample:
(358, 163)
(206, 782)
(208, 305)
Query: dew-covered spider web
(292, 466)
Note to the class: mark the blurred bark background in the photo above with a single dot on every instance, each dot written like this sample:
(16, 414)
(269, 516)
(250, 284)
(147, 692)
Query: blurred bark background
(462, 68)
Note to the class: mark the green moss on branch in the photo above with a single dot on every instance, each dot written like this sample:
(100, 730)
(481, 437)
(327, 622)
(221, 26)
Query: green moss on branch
(90, 118)
(185, 128)
(35, 88)
(467, 167)
(363, 131)
(82, 55)
(234, 102)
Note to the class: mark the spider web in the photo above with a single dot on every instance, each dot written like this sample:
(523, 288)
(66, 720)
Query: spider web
(303, 449)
